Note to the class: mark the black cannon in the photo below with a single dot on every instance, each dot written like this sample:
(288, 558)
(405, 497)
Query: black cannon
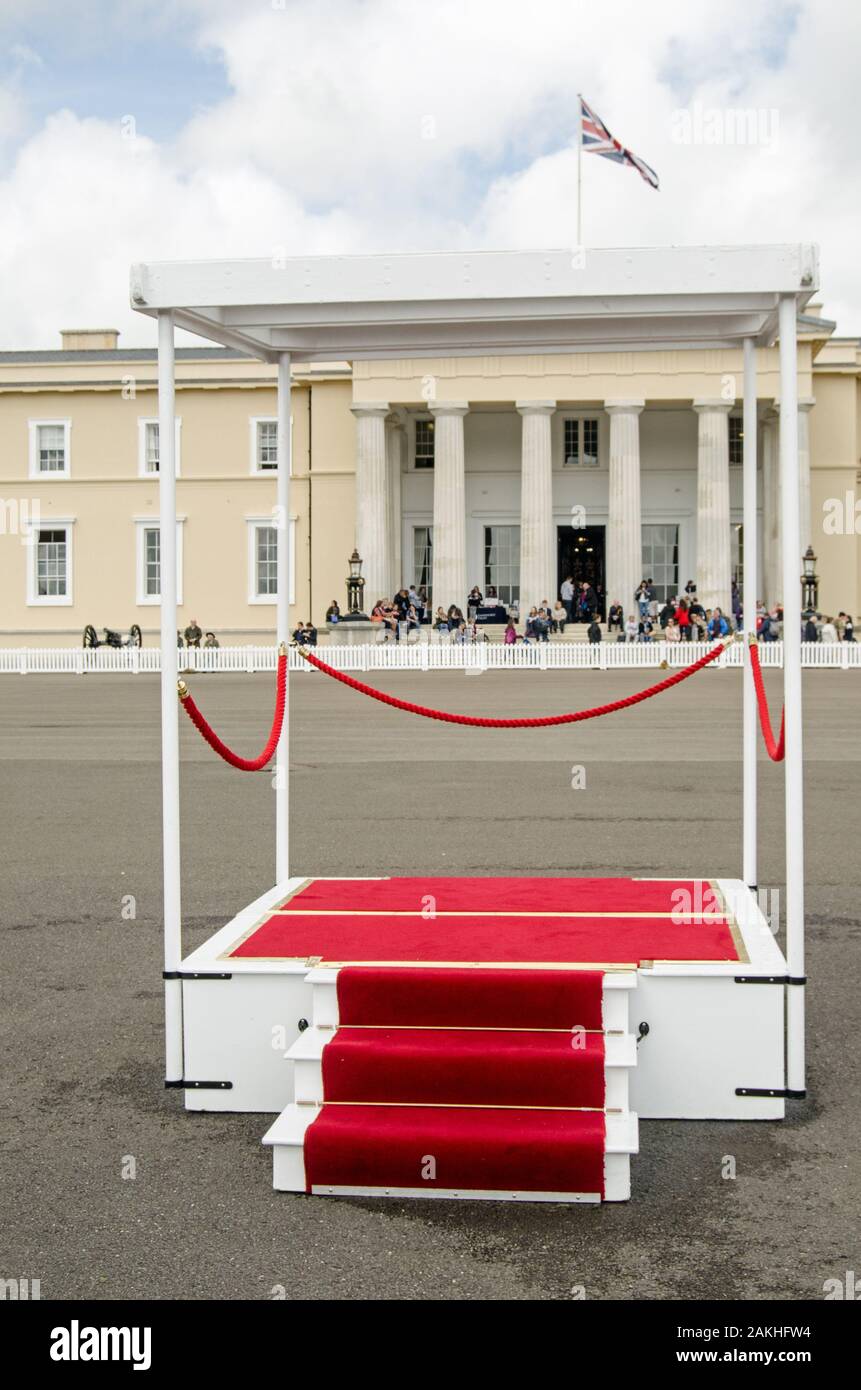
(112, 638)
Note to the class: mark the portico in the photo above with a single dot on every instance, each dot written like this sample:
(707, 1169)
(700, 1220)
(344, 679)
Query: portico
(482, 490)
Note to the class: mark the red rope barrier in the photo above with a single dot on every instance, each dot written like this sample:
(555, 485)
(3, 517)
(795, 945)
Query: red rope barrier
(775, 750)
(543, 722)
(206, 729)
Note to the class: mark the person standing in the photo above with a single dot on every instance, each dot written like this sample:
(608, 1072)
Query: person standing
(683, 620)
(566, 593)
(735, 602)
(589, 602)
(652, 595)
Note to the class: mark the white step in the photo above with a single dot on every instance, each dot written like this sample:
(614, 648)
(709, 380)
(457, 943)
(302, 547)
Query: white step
(620, 1054)
(286, 1137)
(617, 987)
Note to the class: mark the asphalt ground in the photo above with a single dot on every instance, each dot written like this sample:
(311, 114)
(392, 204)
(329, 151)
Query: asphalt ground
(374, 792)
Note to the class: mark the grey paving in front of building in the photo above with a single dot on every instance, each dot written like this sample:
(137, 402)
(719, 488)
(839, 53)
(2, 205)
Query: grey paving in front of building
(379, 792)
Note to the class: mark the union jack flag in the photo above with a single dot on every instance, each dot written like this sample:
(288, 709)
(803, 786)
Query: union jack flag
(595, 138)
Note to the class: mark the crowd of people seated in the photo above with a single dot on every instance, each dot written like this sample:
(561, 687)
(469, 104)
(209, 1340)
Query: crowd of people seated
(816, 628)
(683, 618)
(680, 618)
(305, 635)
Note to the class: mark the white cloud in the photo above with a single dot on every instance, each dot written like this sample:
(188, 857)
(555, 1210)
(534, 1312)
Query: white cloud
(394, 124)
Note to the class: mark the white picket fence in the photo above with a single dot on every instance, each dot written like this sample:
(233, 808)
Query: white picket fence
(419, 656)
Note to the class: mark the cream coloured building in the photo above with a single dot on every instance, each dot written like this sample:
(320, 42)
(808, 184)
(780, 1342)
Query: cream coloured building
(505, 471)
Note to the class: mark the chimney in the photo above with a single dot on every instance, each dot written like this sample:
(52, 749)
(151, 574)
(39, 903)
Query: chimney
(88, 339)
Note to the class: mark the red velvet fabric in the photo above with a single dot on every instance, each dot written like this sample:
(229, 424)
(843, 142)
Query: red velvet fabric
(555, 940)
(438, 998)
(464, 1067)
(421, 1147)
(536, 895)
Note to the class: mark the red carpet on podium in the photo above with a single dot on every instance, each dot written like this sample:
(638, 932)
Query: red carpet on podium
(533, 895)
(557, 921)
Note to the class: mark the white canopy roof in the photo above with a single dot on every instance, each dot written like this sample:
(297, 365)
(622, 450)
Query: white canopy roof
(326, 308)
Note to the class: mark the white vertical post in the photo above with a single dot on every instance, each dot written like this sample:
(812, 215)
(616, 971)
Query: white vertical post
(789, 478)
(169, 702)
(749, 597)
(282, 757)
(579, 171)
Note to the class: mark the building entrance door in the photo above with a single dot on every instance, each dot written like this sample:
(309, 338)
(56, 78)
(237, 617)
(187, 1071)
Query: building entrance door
(580, 553)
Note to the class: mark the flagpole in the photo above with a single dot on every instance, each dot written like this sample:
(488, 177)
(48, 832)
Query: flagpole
(579, 170)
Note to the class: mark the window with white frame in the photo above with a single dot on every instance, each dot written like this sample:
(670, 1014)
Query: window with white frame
(264, 443)
(50, 448)
(263, 560)
(148, 447)
(423, 558)
(580, 443)
(736, 439)
(266, 562)
(660, 556)
(424, 453)
(148, 547)
(502, 561)
(49, 580)
(151, 559)
(736, 548)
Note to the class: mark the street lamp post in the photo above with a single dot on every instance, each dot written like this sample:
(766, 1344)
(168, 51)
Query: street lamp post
(355, 586)
(809, 581)
(354, 627)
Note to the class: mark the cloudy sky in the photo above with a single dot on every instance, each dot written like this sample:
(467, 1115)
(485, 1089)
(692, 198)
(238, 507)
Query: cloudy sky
(168, 129)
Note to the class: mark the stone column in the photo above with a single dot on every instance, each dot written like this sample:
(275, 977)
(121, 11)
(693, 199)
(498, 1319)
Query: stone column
(449, 507)
(805, 405)
(713, 515)
(624, 522)
(395, 445)
(772, 585)
(372, 500)
(538, 579)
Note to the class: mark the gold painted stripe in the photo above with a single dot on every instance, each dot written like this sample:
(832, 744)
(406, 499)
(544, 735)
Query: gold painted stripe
(470, 1028)
(682, 919)
(605, 966)
(443, 1105)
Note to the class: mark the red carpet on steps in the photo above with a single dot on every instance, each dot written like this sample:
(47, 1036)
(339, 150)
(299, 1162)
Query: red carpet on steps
(440, 1066)
(484, 1150)
(454, 1066)
(436, 998)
